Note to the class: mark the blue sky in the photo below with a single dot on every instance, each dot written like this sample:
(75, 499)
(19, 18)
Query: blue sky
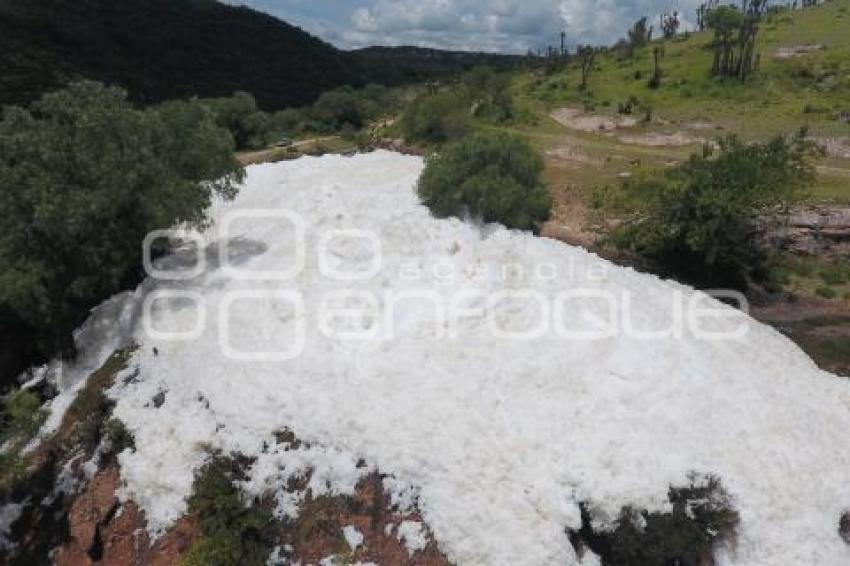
(494, 25)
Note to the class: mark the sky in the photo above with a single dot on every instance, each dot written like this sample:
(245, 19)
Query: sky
(510, 26)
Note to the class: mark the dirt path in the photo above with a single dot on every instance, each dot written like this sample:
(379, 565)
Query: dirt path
(260, 156)
(820, 327)
(625, 129)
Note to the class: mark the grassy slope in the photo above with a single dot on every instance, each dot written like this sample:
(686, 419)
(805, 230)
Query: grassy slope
(773, 102)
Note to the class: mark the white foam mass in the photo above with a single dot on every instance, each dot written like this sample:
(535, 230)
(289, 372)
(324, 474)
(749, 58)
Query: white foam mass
(500, 438)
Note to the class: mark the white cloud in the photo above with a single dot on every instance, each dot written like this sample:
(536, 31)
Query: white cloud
(500, 25)
(494, 25)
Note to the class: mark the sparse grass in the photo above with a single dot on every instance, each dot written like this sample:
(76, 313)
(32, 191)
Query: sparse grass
(815, 277)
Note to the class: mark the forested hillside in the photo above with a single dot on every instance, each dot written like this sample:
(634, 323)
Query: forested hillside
(166, 49)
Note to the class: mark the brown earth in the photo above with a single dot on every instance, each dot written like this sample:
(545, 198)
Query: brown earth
(105, 532)
(317, 533)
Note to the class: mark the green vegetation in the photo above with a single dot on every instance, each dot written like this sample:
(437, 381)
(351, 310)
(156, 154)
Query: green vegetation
(701, 516)
(230, 531)
(483, 95)
(91, 409)
(836, 273)
(698, 220)
(769, 103)
(22, 415)
(344, 111)
(250, 127)
(490, 95)
(175, 49)
(805, 275)
(436, 118)
(492, 176)
(341, 110)
(826, 292)
(88, 177)
(120, 438)
(640, 34)
(21, 418)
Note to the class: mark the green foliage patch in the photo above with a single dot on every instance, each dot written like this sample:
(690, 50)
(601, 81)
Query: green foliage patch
(492, 176)
(698, 221)
(86, 176)
(701, 517)
(436, 118)
(231, 532)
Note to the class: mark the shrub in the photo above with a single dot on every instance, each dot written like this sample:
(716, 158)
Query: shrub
(436, 118)
(490, 94)
(20, 420)
(92, 176)
(377, 100)
(288, 122)
(492, 176)
(826, 292)
(630, 106)
(22, 415)
(699, 219)
(119, 437)
(230, 532)
(337, 109)
(250, 127)
(701, 516)
(837, 273)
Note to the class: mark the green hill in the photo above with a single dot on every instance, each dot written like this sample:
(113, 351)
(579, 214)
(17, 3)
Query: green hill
(804, 77)
(166, 49)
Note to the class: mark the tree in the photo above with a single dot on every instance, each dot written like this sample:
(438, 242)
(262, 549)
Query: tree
(753, 10)
(436, 118)
(492, 176)
(587, 56)
(489, 94)
(84, 176)
(657, 56)
(735, 33)
(640, 34)
(288, 122)
(699, 220)
(250, 127)
(725, 21)
(702, 13)
(336, 109)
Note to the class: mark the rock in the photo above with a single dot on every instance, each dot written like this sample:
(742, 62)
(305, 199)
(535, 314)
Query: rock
(104, 532)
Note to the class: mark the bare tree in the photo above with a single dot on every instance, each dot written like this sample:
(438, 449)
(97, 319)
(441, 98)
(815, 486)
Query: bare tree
(641, 33)
(587, 55)
(703, 11)
(657, 56)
